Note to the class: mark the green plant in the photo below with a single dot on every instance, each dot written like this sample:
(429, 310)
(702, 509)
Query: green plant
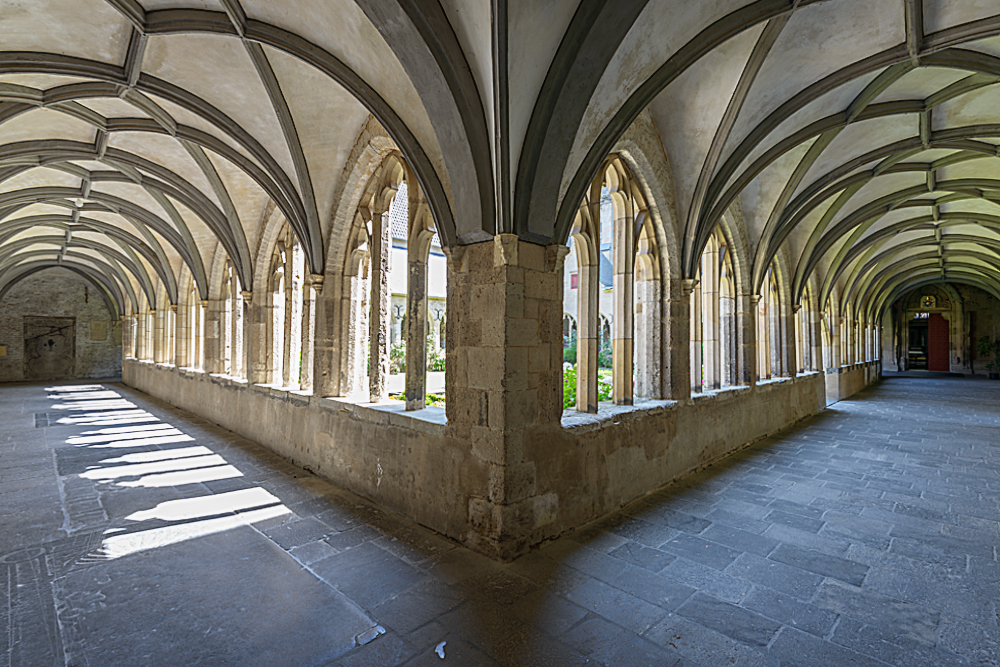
(989, 348)
(569, 348)
(397, 358)
(435, 356)
(604, 390)
(604, 354)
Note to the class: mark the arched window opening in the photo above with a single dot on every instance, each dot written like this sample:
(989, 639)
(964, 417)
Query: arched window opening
(232, 323)
(396, 273)
(713, 318)
(769, 328)
(804, 334)
(612, 290)
(286, 294)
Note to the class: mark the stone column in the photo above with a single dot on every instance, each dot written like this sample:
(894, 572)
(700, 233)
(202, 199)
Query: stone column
(212, 331)
(694, 343)
(710, 323)
(378, 340)
(835, 347)
(327, 339)
(623, 360)
(504, 384)
(678, 339)
(588, 333)
(312, 285)
(648, 344)
(157, 353)
(746, 332)
(254, 352)
(789, 349)
(416, 323)
(181, 328)
(729, 341)
(140, 336)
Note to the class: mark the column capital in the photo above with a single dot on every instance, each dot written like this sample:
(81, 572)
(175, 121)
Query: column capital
(796, 307)
(173, 308)
(687, 286)
(247, 296)
(204, 303)
(555, 257)
(315, 280)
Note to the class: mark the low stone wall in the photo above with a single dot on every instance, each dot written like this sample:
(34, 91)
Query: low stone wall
(848, 380)
(411, 463)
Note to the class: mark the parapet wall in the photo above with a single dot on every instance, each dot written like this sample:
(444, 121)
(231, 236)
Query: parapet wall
(411, 462)
(846, 381)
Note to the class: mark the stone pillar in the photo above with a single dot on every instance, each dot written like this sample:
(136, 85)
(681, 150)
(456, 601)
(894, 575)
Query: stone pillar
(623, 359)
(140, 336)
(254, 352)
(181, 328)
(746, 332)
(588, 341)
(728, 341)
(327, 338)
(312, 285)
(710, 322)
(695, 341)
(378, 340)
(835, 346)
(212, 331)
(416, 324)
(648, 344)
(678, 339)
(789, 348)
(504, 383)
(157, 355)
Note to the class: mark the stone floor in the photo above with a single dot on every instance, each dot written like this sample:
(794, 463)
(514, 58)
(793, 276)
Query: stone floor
(132, 533)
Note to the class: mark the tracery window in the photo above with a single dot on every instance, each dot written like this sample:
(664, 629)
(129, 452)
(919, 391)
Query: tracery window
(617, 296)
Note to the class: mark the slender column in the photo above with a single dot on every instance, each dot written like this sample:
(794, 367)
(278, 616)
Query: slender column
(312, 284)
(249, 345)
(623, 359)
(728, 341)
(328, 340)
(179, 316)
(157, 356)
(648, 344)
(587, 334)
(291, 314)
(416, 324)
(378, 364)
(789, 349)
(140, 336)
(710, 322)
(695, 343)
(835, 346)
(212, 359)
(746, 330)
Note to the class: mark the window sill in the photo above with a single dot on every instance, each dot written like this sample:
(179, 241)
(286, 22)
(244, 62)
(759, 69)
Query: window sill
(431, 420)
(609, 414)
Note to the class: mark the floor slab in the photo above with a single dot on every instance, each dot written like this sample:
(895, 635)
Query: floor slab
(134, 533)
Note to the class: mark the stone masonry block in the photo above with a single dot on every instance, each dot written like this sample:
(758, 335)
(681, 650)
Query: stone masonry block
(522, 332)
(542, 285)
(531, 257)
(486, 368)
(513, 483)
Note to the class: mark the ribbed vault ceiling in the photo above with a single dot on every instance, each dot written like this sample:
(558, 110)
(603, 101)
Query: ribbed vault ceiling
(859, 139)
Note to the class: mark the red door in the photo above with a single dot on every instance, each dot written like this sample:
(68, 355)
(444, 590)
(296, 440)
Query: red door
(937, 343)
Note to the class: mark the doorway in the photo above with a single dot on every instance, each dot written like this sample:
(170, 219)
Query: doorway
(916, 352)
(937, 343)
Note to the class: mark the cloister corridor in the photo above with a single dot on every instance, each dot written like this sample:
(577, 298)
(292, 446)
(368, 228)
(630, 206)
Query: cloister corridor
(133, 533)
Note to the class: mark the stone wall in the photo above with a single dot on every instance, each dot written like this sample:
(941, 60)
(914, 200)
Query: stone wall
(414, 463)
(846, 381)
(54, 294)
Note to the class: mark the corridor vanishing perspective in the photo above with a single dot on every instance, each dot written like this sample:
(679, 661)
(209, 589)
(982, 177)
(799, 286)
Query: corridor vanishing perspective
(138, 534)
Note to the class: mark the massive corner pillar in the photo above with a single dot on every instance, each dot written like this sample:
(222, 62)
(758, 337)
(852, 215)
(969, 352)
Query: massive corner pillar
(678, 339)
(504, 383)
(746, 334)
